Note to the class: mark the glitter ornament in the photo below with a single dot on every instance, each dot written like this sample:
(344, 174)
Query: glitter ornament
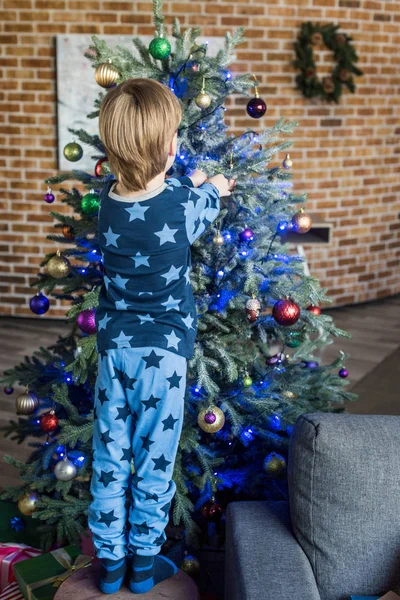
(39, 304)
(49, 422)
(65, 470)
(256, 107)
(286, 312)
(287, 163)
(27, 504)
(106, 75)
(87, 321)
(101, 167)
(26, 403)
(68, 232)
(8, 390)
(275, 465)
(73, 152)
(247, 380)
(49, 197)
(315, 310)
(247, 235)
(211, 419)
(211, 511)
(90, 203)
(343, 373)
(190, 565)
(288, 395)
(218, 239)
(58, 266)
(203, 100)
(253, 309)
(160, 48)
(301, 222)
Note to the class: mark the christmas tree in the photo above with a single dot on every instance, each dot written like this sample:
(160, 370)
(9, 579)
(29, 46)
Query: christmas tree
(254, 369)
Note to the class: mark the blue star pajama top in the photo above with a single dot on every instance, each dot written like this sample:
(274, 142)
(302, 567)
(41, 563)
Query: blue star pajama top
(146, 328)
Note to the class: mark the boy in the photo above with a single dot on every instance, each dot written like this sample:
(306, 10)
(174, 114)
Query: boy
(146, 327)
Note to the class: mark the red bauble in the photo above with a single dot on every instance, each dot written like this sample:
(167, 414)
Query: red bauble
(68, 232)
(99, 170)
(48, 422)
(286, 312)
(211, 511)
(314, 309)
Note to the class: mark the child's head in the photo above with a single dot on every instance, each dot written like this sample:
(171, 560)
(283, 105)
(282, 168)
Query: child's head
(138, 121)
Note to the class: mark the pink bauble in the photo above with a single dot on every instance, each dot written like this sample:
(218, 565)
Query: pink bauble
(87, 321)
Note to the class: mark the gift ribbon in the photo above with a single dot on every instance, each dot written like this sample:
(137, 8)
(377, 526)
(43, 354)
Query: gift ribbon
(65, 560)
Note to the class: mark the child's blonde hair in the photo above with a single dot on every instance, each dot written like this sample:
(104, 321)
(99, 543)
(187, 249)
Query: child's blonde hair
(137, 122)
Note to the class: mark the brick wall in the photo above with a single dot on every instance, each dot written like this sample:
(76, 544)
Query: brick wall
(346, 157)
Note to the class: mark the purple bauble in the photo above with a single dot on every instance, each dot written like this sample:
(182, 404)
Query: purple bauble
(247, 235)
(39, 304)
(8, 390)
(87, 321)
(256, 108)
(343, 373)
(210, 418)
(311, 364)
(49, 198)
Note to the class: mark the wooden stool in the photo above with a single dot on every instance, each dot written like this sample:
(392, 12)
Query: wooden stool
(83, 585)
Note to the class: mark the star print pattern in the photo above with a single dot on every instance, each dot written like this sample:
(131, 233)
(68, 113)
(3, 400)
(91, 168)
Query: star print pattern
(145, 245)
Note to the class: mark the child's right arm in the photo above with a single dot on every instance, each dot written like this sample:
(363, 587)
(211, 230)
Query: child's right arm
(203, 205)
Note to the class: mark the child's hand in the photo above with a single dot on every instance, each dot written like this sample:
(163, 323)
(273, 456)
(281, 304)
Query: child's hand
(198, 177)
(224, 185)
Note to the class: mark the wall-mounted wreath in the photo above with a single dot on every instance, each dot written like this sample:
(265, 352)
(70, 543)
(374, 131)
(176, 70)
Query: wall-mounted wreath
(330, 88)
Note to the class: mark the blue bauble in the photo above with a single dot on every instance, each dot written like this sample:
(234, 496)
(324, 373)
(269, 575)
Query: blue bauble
(39, 304)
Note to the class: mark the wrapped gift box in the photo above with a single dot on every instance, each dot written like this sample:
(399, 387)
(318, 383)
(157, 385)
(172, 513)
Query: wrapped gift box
(10, 554)
(12, 592)
(39, 578)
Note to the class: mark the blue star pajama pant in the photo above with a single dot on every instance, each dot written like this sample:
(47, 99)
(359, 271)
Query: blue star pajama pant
(138, 415)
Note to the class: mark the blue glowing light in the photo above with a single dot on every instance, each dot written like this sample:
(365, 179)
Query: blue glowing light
(283, 225)
(244, 252)
(37, 420)
(68, 379)
(220, 273)
(94, 251)
(80, 459)
(250, 430)
(275, 422)
(83, 271)
(181, 156)
(61, 453)
(228, 75)
(227, 236)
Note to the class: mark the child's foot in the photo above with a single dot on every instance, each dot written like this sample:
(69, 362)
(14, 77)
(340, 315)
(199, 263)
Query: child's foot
(147, 571)
(112, 573)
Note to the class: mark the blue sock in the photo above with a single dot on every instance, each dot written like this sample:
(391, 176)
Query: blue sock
(147, 571)
(112, 573)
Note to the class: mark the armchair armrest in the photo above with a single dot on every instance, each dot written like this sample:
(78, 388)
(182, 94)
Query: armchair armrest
(264, 561)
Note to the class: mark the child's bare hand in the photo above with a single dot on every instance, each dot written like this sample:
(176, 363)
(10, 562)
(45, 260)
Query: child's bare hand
(198, 177)
(224, 185)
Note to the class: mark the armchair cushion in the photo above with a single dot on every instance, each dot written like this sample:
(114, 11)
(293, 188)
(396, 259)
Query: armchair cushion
(263, 559)
(344, 484)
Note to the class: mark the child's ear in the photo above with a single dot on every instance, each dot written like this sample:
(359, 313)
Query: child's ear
(173, 145)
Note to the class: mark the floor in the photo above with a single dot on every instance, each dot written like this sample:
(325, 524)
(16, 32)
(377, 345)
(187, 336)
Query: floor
(373, 366)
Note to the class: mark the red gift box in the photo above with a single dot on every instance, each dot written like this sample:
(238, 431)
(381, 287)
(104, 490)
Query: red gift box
(9, 555)
(11, 592)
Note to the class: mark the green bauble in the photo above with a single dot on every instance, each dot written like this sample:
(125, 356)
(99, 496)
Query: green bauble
(160, 48)
(73, 152)
(90, 203)
(247, 381)
(295, 339)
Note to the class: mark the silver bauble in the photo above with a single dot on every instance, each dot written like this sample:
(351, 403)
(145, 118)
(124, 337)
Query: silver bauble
(65, 470)
(26, 403)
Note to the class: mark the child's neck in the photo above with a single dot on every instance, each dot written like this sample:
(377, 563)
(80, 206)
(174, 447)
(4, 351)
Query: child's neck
(151, 186)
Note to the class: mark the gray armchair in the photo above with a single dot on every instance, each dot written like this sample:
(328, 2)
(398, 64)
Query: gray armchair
(339, 534)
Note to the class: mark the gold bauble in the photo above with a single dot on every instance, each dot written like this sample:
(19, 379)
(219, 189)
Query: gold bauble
(26, 403)
(287, 163)
(204, 419)
(203, 100)
(301, 222)
(274, 465)
(218, 239)
(106, 75)
(58, 266)
(190, 565)
(27, 503)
